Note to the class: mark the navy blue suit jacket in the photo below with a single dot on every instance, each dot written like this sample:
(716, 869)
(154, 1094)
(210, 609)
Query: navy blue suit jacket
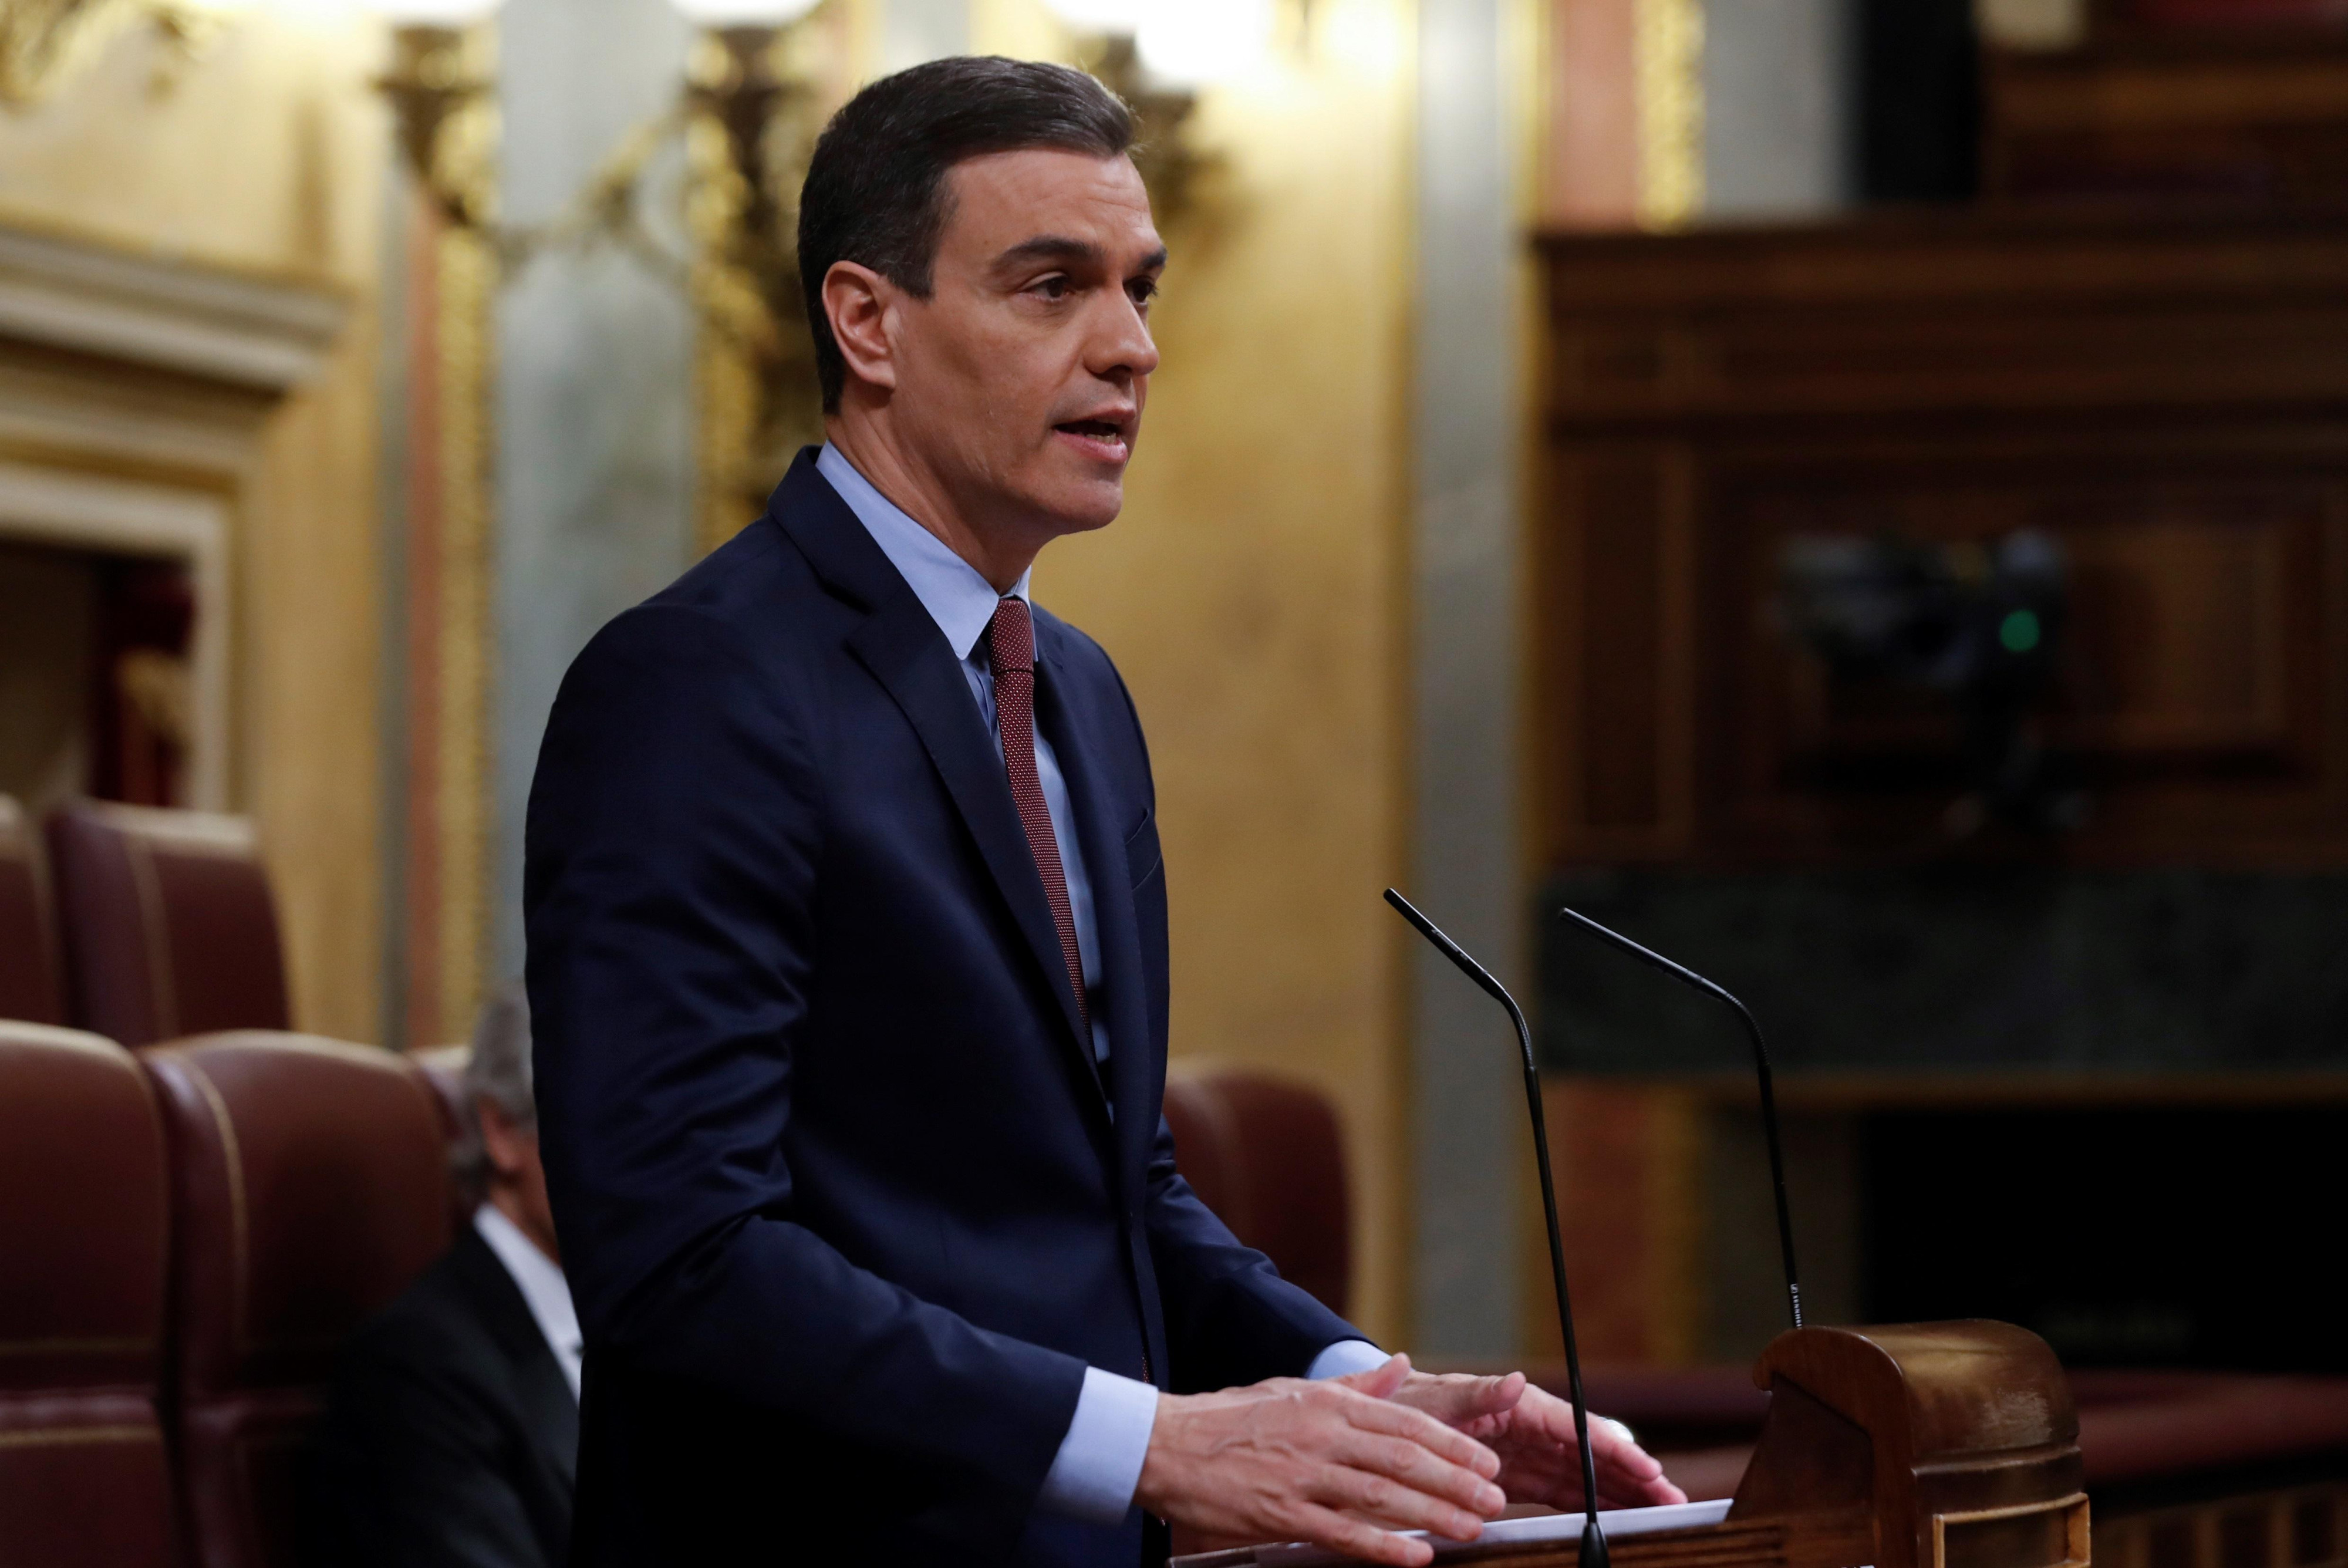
(840, 1197)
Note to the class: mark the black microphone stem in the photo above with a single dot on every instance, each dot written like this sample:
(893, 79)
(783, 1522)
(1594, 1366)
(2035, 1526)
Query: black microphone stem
(1761, 1066)
(1593, 1541)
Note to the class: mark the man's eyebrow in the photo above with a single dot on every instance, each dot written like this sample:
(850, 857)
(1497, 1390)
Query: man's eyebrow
(1050, 248)
(1060, 247)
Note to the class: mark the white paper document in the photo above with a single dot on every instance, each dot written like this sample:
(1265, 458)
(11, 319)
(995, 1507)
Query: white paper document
(1615, 1522)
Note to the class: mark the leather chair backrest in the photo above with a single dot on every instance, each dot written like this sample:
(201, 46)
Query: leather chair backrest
(28, 939)
(309, 1187)
(169, 925)
(1267, 1156)
(84, 1217)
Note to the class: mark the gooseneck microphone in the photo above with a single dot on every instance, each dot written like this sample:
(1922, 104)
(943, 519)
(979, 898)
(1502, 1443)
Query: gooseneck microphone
(1593, 1540)
(1689, 977)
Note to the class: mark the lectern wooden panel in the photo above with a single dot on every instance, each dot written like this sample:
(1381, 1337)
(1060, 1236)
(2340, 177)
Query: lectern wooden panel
(1932, 1445)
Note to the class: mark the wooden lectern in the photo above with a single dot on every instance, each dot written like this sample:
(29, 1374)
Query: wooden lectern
(1926, 1445)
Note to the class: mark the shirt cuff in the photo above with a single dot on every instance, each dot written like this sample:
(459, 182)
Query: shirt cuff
(1345, 1356)
(1093, 1476)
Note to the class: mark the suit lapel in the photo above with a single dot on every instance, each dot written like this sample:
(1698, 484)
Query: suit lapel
(906, 653)
(1100, 834)
(1134, 1070)
(549, 1409)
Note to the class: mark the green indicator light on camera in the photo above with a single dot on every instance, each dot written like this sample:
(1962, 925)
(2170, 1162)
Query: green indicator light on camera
(2019, 631)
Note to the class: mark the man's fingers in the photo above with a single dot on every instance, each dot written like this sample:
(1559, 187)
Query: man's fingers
(1397, 1504)
(1378, 1382)
(1628, 1470)
(1611, 1443)
(1406, 1463)
(1358, 1538)
(1624, 1468)
(1293, 1457)
(1542, 1410)
(1658, 1494)
(1624, 1479)
(1554, 1477)
(1461, 1400)
(1390, 1420)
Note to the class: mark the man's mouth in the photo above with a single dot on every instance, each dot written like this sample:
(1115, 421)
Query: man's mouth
(1103, 439)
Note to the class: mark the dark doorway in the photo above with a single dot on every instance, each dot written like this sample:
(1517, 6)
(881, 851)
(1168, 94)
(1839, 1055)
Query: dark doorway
(95, 676)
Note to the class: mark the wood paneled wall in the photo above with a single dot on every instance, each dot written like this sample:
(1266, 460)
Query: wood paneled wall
(2251, 115)
(2167, 400)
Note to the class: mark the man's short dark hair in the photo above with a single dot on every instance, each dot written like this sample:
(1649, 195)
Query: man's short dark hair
(876, 190)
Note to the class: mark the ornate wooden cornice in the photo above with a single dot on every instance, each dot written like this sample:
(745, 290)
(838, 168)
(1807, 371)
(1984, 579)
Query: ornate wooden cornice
(158, 312)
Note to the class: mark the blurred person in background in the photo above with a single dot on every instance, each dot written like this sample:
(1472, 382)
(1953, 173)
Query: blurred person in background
(452, 1429)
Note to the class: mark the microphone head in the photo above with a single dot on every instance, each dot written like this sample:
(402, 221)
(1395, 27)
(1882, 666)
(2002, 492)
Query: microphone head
(1453, 951)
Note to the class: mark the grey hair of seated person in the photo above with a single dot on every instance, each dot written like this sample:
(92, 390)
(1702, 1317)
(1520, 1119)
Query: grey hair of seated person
(500, 1072)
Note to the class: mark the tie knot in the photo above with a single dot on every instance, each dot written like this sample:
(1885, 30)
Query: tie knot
(1011, 636)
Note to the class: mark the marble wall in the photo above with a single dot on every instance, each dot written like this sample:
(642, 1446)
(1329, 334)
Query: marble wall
(1777, 107)
(594, 372)
(1466, 626)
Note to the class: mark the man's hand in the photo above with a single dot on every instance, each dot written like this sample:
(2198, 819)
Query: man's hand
(1339, 1463)
(1532, 1429)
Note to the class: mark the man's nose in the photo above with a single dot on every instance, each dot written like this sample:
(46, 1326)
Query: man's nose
(1124, 345)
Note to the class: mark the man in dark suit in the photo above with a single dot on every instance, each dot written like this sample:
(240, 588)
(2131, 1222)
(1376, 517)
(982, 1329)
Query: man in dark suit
(848, 949)
(452, 1427)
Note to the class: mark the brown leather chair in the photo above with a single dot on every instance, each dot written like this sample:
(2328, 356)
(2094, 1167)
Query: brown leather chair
(170, 927)
(1266, 1155)
(309, 1187)
(29, 946)
(84, 1476)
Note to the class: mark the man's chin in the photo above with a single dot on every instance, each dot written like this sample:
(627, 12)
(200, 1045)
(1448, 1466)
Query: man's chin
(1083, 507)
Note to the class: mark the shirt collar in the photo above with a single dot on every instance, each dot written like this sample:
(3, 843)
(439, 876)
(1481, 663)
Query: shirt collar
(958, 599)
(540, 1279)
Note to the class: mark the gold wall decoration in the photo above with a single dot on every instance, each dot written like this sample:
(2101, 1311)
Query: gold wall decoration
(435, 77)
(1171, 167)
(754, 119)
(750, 109)
(1669, 52)
(42, 41)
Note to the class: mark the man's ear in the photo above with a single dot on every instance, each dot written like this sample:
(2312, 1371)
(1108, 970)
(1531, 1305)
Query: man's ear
(504, 1141)
(858, 301)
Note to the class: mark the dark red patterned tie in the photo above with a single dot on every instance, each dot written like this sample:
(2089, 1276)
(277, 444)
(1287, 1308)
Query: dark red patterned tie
(1011, 653)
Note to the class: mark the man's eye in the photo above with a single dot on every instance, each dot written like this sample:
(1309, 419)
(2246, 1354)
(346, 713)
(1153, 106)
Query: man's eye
(1142, 289)
(1053, 287)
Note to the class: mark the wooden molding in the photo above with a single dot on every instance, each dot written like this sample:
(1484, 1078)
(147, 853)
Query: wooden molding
(133, 390)
(162, 312)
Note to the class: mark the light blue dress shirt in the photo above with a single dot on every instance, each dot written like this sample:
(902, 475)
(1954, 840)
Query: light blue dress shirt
(1099, 1464)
